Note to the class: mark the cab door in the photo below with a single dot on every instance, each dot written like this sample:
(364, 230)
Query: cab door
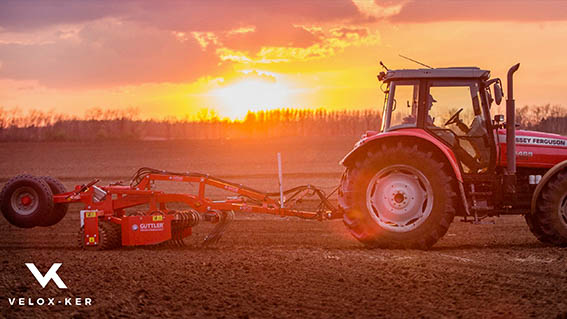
(454, 114)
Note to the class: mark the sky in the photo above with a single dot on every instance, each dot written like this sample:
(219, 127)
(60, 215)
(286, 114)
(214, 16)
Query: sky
(176, 58)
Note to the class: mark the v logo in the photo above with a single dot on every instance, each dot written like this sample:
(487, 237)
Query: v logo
(50, 275)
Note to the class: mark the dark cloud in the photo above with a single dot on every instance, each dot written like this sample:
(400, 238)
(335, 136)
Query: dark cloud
(197, 15)
(17, 15)
(481, 10)
(223, 15)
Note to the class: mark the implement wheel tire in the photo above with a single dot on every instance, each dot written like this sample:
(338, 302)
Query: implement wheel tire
(59, 210)
(398, 197)
(550, 216)
(110, 237)
(26, 201)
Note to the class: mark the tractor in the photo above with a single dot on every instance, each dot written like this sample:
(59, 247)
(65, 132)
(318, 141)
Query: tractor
(440, 154)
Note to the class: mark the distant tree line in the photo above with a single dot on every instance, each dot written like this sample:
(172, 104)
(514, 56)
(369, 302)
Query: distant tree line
(99, 124)
(545, 118)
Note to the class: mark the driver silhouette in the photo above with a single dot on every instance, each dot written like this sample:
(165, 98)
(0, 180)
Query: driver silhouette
(429, 121)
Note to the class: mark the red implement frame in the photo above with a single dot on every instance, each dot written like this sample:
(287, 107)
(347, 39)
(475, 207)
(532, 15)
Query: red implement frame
(111, 201)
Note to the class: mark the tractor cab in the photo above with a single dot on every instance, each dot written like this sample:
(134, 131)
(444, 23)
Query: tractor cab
(450, 104)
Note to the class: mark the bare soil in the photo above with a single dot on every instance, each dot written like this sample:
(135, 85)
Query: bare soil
(268, 267)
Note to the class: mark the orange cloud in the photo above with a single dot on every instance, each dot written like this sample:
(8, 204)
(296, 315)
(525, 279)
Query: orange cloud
(226, 54)
(242, 30)
(372, 9)
(330, 42)
(205, 38)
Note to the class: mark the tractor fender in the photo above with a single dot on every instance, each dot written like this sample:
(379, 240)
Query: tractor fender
(373, 140)
(545, 178)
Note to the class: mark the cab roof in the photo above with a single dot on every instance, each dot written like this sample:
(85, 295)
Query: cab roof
(448, 73)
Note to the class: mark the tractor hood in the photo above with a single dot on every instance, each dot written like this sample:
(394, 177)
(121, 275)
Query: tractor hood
(535, 149)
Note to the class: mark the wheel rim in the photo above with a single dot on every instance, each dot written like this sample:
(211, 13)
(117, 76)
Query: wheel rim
(563, 210)
(399, 198)
(24, 201)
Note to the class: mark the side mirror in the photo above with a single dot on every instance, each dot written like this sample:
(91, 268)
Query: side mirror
(498, 94)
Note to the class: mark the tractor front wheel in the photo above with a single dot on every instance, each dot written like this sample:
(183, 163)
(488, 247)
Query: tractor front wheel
(398, 197)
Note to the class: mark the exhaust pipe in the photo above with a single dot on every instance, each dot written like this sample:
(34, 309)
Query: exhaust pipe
(510, 176)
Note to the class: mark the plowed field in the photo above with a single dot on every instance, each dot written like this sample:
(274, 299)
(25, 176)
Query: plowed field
(264, 266)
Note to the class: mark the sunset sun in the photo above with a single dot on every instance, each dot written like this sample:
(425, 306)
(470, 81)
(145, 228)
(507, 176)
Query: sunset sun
(235, 100)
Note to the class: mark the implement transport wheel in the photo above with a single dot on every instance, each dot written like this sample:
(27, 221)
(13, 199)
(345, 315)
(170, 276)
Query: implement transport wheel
(59, 210)
(26, 201)
(110, 237)
(549, 221)
(398, 197)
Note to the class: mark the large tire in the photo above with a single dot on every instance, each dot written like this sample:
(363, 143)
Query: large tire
(59, 210)
(26, 201)
(536, 229)
(549, 221)
(417, 201)
(110, 237)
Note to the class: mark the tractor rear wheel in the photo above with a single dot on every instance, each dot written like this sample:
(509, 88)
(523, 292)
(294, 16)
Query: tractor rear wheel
(398, 197)
(26, 201)
(550, 217)
(59, 210)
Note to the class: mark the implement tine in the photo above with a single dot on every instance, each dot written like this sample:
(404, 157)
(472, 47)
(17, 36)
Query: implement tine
(226, 218)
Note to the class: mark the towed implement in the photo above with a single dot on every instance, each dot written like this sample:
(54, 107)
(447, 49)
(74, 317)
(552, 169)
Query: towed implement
(29, 201)
(438, 154)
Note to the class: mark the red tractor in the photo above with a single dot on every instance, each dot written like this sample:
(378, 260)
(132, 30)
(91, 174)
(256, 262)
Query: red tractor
(439, 154)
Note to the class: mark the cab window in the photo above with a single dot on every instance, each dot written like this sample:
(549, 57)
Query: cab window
(454, 114)
(402, 103)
